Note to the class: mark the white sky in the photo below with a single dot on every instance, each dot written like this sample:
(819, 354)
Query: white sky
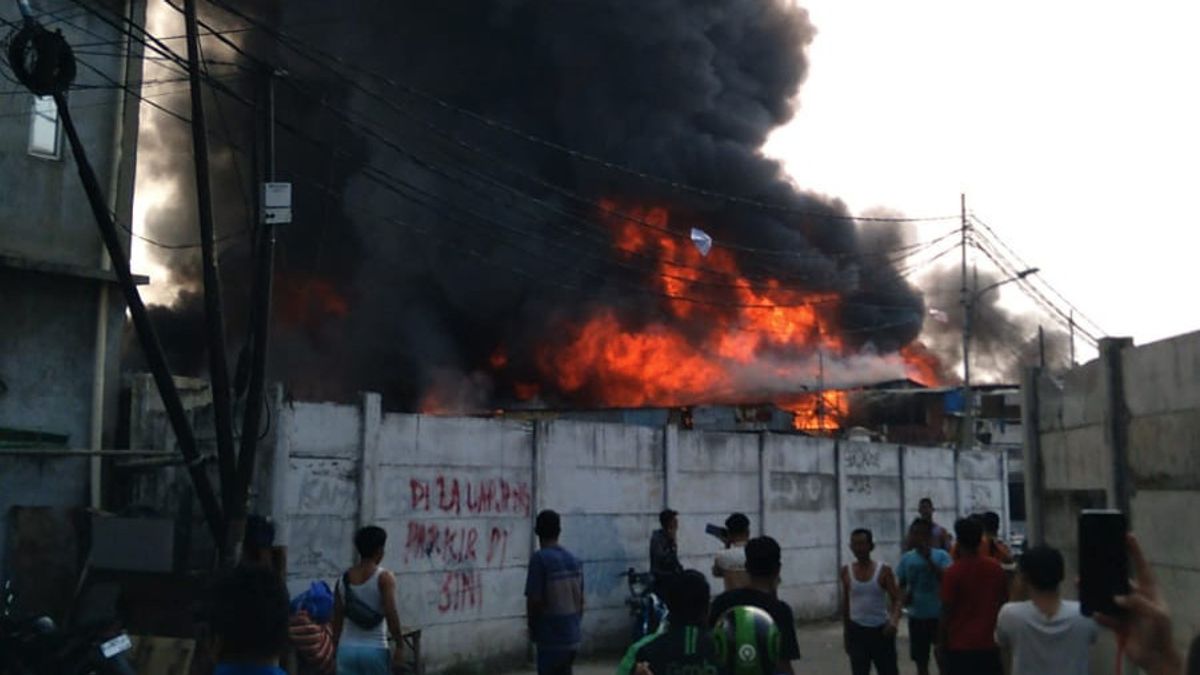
(1073, 128)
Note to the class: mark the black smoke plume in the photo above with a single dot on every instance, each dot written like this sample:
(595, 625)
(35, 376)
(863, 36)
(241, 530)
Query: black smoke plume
(493, 244)
(1003, 342)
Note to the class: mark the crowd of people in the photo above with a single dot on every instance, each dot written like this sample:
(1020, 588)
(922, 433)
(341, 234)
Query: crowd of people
(954, 589)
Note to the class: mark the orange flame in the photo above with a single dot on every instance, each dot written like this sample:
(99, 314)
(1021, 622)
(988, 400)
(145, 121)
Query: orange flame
(724, 336)
(690, 356)
(922, 365)
(308, 303)
(823, 411)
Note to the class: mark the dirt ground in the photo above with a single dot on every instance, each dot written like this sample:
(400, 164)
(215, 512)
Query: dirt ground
(820, 650)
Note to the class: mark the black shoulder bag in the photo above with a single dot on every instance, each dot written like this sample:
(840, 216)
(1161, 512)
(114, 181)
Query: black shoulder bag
(363, 615)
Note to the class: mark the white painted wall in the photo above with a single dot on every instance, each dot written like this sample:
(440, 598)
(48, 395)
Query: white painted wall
(458, 497)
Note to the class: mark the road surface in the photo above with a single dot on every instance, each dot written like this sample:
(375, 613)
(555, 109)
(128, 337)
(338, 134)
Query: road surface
(820, 647)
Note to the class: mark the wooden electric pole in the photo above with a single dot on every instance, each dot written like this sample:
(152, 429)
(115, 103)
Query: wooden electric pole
(213, 306)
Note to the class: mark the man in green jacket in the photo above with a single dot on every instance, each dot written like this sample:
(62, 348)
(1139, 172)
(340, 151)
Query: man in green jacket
(686, 645)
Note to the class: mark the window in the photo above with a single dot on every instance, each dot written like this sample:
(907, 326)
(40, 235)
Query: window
(44, 130)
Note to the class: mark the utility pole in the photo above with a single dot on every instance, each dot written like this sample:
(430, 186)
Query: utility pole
(966, 441)
(213, 308)
(1042, 348)
(261, 321)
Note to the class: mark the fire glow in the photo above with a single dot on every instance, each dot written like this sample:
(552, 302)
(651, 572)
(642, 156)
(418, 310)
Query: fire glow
(751, 340)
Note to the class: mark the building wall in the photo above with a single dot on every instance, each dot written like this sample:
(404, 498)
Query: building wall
(50, 248)
(458, 497)
(50, 267)
(1151, 418)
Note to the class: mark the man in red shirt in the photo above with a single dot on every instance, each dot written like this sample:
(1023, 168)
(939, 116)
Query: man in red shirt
(974, 589)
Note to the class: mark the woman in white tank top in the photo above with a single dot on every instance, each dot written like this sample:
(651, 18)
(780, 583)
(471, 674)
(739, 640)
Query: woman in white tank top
(367, 592)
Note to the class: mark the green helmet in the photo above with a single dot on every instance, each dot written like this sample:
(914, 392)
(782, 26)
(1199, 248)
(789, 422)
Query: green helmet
(747, 641)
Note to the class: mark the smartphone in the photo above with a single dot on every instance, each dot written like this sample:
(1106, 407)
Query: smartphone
(716, 531)
(1103, 561)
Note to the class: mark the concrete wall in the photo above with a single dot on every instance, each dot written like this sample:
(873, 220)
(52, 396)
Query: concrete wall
(38, 481)
(1124, 432)
(458, 497)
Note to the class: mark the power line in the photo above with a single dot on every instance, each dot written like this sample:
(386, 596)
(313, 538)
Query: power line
(303, 47)
(1054, 311)
(998, 240)
(392, 144)
(493, 160)
(372, 171)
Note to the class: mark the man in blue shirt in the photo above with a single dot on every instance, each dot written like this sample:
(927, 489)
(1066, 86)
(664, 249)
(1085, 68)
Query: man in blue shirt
(249, 621)
(554, 599)
(920, 575)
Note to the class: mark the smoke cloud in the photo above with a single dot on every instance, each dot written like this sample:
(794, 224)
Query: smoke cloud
(1003, 342)
(403, 294)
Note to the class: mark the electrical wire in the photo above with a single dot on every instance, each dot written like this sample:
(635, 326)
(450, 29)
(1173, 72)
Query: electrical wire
(491, 159)
(992, 234)
(693, 299)
(1053, 310)
(304, 48)
(393, 145)
(1032, 291)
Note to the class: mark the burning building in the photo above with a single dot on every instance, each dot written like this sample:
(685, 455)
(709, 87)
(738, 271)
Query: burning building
(496, 204)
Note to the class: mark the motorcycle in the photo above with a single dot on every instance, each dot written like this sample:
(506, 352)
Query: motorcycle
(37, 646)
(648, 610)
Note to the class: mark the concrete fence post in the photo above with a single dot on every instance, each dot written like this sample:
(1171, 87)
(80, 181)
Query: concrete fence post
(670, 464)
(840, 501)
(764, 475)
(368, 457)
(1032, 461)
(958, 512)
(279, 465)
(1116, 421)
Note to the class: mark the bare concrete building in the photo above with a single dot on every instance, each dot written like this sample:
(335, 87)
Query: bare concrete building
(61, 313)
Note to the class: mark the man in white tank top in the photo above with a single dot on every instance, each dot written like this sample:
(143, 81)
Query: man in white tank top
(364, 611)
(870, 609)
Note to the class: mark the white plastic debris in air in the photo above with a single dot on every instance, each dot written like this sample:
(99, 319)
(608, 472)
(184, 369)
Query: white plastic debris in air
(702, 241)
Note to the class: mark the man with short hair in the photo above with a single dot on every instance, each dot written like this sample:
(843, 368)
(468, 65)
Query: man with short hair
(730, 564)
(764, 560)
(248, 618)
(554, 599)
(364, 611)
(686, 645)
(920, 574)
(974, 589)
(664, 549)
(1045, 634)
(941, 537)
(870, 609)
(991, 545)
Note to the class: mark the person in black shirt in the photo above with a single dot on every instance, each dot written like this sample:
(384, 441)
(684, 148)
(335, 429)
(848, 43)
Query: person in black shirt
(664, 551)
(763, 563)
(686, 646)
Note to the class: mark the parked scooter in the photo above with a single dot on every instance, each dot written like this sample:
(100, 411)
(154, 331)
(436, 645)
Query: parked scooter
(37, 646)
(648, 610)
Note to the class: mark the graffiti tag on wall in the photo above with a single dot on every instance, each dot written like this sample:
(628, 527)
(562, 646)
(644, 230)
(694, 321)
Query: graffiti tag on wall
(487, 496)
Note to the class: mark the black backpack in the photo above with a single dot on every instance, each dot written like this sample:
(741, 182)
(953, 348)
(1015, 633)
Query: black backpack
(362, 614)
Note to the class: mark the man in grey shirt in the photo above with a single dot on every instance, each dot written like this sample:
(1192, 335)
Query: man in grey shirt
(1045, 634)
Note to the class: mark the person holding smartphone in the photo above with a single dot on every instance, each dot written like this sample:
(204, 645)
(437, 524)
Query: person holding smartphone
(1145, 626)
(1045, 634)
(730, 564)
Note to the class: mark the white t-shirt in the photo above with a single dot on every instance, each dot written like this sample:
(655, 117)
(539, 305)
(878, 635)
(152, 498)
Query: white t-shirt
(1042, 645)
(731, 563)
